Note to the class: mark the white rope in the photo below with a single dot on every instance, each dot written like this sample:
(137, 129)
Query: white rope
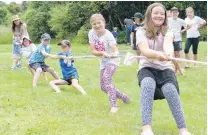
(129, 59)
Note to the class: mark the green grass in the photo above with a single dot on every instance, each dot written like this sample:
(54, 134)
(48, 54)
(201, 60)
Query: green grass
(5, 34)
(28, 111)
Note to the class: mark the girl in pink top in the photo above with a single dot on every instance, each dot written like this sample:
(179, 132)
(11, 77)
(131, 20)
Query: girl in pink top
(156, 75)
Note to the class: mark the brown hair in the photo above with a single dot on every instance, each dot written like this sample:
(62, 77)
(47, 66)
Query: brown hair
(94, 16)
(13, 25)
(151, 33)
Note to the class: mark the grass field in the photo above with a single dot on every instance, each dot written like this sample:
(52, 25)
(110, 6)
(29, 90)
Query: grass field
(39, 111)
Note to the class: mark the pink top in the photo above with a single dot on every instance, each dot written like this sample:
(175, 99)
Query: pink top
(156, 45)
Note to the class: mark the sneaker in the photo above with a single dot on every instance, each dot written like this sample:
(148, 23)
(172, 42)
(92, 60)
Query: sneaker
(14, 68)
(127, 101)
(185, 133)
(114, 109)
(149, 132)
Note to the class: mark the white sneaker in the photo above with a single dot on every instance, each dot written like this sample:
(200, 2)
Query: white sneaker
(185, 133)
(149, 132)
(114, 109)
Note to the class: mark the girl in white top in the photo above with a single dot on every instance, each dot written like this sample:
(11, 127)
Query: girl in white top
(193, 35)
(27, 49)
(102, 43)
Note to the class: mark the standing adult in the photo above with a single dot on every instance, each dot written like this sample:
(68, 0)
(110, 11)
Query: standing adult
(193, 35)
(19, 30)
(128, 25)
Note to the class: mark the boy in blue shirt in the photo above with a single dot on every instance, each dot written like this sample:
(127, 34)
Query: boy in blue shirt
(69, 72)
(37, 59)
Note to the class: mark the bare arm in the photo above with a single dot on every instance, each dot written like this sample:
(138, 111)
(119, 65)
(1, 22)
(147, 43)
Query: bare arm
(169, 51)
(52, 55)
(201, 25)
(186, 28)
(168, 46)
(132, 38)
(149, 53)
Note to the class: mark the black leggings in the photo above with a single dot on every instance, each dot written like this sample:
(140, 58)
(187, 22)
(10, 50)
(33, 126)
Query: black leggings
(194, 42)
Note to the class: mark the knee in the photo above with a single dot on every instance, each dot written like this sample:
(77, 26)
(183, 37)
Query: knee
(186, 50)
(39, 70)
(51, 83)
(74, 84)
(194, 52)
(148, 83)
(169, 89)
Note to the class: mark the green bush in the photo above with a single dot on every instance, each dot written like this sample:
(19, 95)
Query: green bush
(203, 33)
(82, 35)
(121, 37)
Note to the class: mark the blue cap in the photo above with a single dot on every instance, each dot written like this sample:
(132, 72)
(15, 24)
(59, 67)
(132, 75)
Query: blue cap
(138, 15)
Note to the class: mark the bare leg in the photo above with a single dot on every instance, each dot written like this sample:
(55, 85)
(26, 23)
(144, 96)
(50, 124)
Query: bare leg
(53, 73)
(15, 62)
(36, 76)
(45, 76)
(54, 84)
(31, 70)
(138, 54)
(76, 85)
(187, 57)
(195, 58)
(179, 68)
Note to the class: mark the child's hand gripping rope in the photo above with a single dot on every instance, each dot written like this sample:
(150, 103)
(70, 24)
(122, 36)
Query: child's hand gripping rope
(129, 57)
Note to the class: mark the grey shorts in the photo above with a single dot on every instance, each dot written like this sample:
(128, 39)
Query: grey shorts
(41, 65)
(177, 45)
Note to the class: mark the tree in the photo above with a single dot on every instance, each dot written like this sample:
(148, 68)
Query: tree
(3, 15)
(37, 17)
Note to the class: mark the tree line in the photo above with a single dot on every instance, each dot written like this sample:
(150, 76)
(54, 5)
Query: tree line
(64, 19)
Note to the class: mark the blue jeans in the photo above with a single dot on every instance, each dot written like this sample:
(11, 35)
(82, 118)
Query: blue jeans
(16, 48)
(128, 33)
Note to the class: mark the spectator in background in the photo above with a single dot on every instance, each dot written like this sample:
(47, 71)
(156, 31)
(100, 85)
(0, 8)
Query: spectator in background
(19, 30)
(115, 33)
(175, 24)
(169, 14)
(192, 34)
(128, 25)
(138, 23)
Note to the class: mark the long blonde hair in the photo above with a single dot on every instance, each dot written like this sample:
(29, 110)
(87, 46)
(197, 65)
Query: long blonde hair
(150, 30)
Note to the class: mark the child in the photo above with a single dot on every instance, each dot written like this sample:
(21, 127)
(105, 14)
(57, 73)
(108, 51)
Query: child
(102, 43)
(175, 24)
(27, 49)
(138, 20)
(156, 73)
(37, 59)
(193, 35)
(115, 33)
(70, 74)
